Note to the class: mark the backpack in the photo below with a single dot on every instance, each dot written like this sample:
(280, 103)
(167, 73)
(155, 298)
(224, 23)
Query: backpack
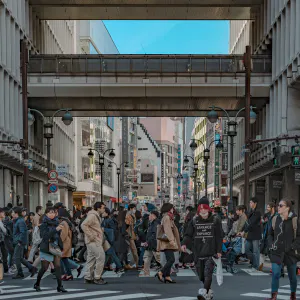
(295, 227)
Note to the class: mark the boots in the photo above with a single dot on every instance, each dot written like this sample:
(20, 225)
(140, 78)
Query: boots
(293, 296)
(274, 296)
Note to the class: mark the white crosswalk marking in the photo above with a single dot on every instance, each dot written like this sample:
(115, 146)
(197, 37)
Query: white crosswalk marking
(9, 286)
(279, 291)
(78, 295)
(129, 296)
(186, 273)
(21, 290)
(254, 272)
(111, 274)
(25, 295)
(261, 295)
(179, 298)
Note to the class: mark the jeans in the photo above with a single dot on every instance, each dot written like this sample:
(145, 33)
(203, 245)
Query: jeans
(170, 257)
(72, 264)
(276, 273)
(253, 252)
(112, 253)
(141, 256)
(19, 259)
(66, 266)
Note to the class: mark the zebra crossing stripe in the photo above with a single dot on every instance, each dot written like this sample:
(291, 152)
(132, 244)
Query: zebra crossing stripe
(179, 298)
(111, 274)
(20, 290)
(258, 295)
(254, 273)
(129, 296)
(9, 286)
(186, 273)
(79, 295)
(25, 295)
(279, 291)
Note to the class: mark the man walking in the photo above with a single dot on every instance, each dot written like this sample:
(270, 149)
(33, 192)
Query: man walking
(253, 234)
(93, 235)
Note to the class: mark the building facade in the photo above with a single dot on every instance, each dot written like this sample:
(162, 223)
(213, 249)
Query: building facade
(275, 30)
(19, 22)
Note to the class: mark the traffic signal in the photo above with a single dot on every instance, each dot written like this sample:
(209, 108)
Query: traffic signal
(277, 157)
(296, 156)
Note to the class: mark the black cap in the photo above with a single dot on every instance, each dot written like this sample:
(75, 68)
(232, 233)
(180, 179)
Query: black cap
(204, 200)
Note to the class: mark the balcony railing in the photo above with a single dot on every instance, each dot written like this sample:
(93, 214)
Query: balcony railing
(112, 65)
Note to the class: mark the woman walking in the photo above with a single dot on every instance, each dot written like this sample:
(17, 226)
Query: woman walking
(170, 246)
(50, 233)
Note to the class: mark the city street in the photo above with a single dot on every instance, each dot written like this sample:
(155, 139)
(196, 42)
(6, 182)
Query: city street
(243, 285)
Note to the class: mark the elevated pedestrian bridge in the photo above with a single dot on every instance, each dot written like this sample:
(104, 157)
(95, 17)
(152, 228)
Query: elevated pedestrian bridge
(144, 85)
(145, 9)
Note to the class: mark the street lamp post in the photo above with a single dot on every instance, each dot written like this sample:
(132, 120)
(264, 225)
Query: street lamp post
(118, 174)
(48, 127)
(101, 163)
(206, 156)
(213, 117)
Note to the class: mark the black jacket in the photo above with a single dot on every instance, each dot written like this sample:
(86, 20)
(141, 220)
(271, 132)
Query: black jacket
(151, 235)
(49, 234)
(253, 225)
(282, 242)
(206, 235)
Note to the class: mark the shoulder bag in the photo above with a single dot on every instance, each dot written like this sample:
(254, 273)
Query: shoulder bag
(160, 234)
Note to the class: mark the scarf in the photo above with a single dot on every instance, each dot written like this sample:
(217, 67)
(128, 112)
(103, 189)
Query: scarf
(171, 215)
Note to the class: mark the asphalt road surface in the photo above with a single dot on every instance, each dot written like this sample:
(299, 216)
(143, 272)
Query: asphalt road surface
(243, 285)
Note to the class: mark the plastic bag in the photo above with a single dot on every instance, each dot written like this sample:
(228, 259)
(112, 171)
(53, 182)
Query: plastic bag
(243, 245)
(219, 271)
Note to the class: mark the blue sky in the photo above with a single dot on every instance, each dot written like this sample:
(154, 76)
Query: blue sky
(170, 37)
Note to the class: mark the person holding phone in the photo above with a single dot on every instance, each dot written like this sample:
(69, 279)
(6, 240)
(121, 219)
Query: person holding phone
(205, 230)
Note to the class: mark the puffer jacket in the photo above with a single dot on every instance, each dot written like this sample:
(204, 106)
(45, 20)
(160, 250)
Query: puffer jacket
(206, 235)
(91, 227)
(172, 233)
(253, 225)
(151, 235)
(282, 241)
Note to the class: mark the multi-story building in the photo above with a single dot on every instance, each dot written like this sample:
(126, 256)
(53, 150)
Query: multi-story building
(165, 132)
(275, 30)
(100, 133)
(18, 21)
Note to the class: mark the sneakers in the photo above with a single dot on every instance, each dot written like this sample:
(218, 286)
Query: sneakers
(88, 281)
(210, 295)
(100, 281)
(202, 294)
(128, 267)
(144, 275)
(120, 271)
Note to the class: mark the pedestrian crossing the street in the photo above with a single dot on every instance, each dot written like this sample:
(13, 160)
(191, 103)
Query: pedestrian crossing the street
(283, 293)
(47, 293)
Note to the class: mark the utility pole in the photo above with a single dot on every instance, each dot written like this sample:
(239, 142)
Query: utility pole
(247, 63)
(24, 62)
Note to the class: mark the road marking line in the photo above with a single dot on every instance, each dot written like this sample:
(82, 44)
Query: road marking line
(111, 274)
(35, 276)
(179, 298)
(254, 273)
(258, 295)
(225, 273)
(21, 290)
(186, 273)
(25, 295)
(279, 291)
(9, 286)
(129, 296)
(79, 295)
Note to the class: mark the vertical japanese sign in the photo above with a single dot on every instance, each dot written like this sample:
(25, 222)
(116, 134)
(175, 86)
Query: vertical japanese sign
(179, 169)
(225, 147)
(218, 130)
(162, 181)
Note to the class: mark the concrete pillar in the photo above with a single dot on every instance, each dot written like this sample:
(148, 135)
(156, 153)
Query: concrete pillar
(66, 197)
(7, 185)
(293, 110)
(241, 196)
(19, 190)
(14, 188)
(42, 201)
(70, 198)
(267, 191)
(1, 189)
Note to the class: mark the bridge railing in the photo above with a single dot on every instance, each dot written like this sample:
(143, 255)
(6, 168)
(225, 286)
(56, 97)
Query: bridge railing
(144, 64)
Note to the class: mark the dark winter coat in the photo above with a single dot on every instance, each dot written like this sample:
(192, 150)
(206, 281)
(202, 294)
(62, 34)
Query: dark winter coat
(206, 235)
(282, 241)
(151, 235)
(122, 240)
(253, 225)
(49, 234)
(20, 232)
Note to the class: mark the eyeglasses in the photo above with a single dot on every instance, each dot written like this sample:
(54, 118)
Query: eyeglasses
(281, 205)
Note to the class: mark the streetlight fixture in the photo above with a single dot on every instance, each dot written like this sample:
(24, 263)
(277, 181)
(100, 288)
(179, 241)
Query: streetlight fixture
(101, 163)
(110, 165)
(232, 132)
(67, 119)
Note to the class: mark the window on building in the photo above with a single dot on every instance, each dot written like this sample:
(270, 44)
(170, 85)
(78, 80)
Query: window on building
(85, 133)
(86, 168)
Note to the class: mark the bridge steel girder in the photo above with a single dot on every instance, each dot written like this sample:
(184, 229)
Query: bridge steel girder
(144, 9)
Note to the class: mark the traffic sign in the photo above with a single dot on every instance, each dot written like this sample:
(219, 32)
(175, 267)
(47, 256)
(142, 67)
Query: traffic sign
(52, 188)
(52, 175)
(62, 170)
(52, 181)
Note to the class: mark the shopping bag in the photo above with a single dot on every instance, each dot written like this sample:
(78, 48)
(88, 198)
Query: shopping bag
(219, 272)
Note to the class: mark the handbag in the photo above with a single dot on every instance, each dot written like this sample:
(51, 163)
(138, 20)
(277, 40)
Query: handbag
(55, 250)
(160, 234)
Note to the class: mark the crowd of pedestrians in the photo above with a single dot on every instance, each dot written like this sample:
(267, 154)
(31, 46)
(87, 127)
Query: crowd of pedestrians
(59, 241)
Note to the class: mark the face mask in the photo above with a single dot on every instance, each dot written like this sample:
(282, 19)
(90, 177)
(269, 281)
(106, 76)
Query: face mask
(202, 214)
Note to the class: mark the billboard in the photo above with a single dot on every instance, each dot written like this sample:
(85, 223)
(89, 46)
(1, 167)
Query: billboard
(147, 177)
